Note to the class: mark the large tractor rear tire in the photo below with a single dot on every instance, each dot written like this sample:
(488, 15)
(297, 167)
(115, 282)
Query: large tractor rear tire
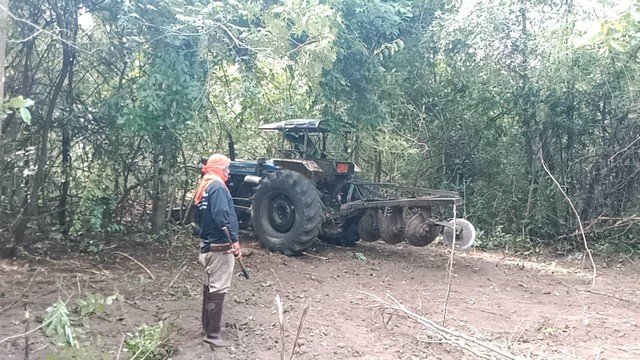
(286, 212)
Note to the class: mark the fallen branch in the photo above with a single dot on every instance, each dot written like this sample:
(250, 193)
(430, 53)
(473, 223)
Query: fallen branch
(609, 223)
(609, 295)
(137, 262)
(575, 212)
(38, 258)
(315, 256)
(480, 349)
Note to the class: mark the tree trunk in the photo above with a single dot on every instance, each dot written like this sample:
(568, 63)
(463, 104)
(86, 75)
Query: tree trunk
(66, 172)
(378, 166)
(4, 7)
(528, 117)
(38, 180)
(3, 42)
(355, 154)
(160, 193)
(66, 142)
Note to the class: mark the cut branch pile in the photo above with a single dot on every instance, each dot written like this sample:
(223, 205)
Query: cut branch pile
(480, 349)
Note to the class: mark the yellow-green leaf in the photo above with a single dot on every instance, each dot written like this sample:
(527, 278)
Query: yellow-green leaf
(25, 115)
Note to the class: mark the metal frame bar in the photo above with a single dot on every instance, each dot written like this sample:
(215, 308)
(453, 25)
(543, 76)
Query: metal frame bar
(417, 202)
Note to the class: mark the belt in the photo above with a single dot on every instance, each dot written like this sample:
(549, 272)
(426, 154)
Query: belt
(219, 247)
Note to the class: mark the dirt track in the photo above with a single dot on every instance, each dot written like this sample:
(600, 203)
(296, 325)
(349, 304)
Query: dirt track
(544, 309)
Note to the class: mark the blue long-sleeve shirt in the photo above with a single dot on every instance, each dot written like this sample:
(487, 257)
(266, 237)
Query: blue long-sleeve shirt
(216, 211)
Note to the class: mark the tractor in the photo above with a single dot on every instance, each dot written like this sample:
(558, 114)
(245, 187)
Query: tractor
(303, 194)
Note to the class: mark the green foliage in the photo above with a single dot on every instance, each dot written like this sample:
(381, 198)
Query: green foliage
(466, 96)
(303, 33)
(499, 240)
(18, 104)
(152, 342)
(59, 324)
(92, 303)
(93, 246)
(616, 37)
(360, 256)
(96, 209)
(623, 249)
(370, 33)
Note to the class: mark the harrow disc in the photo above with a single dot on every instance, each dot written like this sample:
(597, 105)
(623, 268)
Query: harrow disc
(368, 226)
(391, 226)
(465, 234)
(420, 233)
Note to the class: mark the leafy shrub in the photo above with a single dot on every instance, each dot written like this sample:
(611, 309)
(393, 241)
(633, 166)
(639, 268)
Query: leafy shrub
(58, 323)
(150, 342)
(499, 240)
(95, 303)
(97, 207)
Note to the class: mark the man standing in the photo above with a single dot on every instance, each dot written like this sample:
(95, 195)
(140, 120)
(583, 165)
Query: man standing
(215, 216)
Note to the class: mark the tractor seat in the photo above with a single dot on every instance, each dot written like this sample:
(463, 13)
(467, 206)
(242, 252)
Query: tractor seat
(311, 150)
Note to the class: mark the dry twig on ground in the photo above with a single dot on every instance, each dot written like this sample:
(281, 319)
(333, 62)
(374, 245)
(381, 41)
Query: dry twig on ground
(315, 256)
(23, 252)
(295, 342)
(121, 343)
(277, 278)
(609, 295)
(176, 277)
(26, 331)
(282, 328)
(631, 350)
(137, 262)
(281, 323)
(479, 348)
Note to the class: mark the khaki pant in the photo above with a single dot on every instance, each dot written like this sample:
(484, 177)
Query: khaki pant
(218, 270)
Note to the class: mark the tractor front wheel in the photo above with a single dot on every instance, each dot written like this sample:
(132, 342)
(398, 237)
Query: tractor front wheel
(286, 212)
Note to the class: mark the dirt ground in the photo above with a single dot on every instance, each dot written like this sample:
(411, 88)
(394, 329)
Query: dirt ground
(541, 307)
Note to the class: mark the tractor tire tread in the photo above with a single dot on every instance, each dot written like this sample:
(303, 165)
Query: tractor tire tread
(307, 205)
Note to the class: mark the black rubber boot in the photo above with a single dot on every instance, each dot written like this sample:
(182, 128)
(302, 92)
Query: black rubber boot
(213, 318)
(205, 291)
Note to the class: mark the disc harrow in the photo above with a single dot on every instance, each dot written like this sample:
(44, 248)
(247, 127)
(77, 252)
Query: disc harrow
(394, 213)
